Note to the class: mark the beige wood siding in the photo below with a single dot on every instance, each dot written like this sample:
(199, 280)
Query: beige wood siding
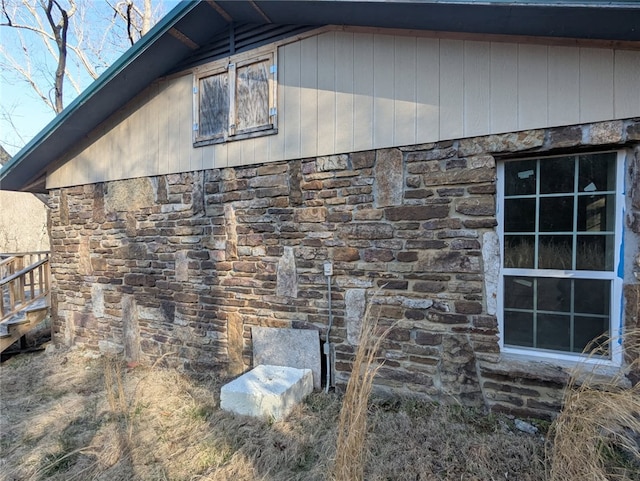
(342, 91)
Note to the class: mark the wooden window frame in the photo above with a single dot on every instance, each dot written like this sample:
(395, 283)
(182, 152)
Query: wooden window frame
(230, 66)
(614, 276)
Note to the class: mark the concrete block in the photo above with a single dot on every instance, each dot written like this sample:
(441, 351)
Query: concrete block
(267, 391)
(299, 348)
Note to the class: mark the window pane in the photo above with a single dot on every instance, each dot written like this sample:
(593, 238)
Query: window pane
(596, 213)
(518, 328)
(556, 214)
(594, 253)
(554, 252)
(520, 178)
(579, 312)
(557, 175)
(597, 172)
(519, 251)
(518, 292)
(588, 329)
(214, 105)
(554, 294)
(592, 296)
(562, 221)
(252, 95)
(554, 332)
(519, 215)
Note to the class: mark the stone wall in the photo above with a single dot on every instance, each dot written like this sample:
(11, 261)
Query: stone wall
(183, 265)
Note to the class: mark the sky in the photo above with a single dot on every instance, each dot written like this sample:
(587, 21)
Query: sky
(22, 113)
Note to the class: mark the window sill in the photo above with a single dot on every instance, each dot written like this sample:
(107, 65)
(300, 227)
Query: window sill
(556, 371)
(241, 136)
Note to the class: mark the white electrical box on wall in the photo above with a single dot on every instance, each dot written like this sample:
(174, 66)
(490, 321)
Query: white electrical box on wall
(328, 268)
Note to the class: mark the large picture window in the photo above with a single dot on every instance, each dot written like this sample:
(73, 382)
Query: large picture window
(235, 100)
(560, 222)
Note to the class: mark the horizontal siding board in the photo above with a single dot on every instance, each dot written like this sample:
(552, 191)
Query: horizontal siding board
(451, 89)
(383, 81)
(292, 108)
(117, 151)
(60, 176)
(260, 149)
(276, 142)
(344, 74)
(326, 94)
(343, 92)
(363, 92)
(79, 172)
(125, 143)
(596, 84)
(196, 159)
(564, 85)
(90, 173)
(97, 171)
(208, 156)
(627, 84)
(153, 119)
(173, 123)
(221, 156)
(248, 151)
(234, 154)
(477, 88)
(427, 90)
(184, 119)
(405, 91)
(503, 95)
(164, 108)
(309, 96)
(137, 141)
(532, 86)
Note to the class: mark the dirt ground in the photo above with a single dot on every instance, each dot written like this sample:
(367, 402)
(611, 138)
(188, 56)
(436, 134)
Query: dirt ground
(68, 415)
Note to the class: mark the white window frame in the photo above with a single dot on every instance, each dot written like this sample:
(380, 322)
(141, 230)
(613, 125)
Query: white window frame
(229, 66)
(615, 275)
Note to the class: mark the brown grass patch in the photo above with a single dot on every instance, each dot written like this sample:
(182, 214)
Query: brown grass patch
(59, 422)
(596, 436)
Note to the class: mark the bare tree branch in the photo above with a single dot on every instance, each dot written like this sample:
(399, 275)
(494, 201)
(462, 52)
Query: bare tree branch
(7, 116)
(25, 72)
(58, 46)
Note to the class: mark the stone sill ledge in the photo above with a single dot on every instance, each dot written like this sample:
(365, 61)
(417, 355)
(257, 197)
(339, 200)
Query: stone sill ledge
(555, 371)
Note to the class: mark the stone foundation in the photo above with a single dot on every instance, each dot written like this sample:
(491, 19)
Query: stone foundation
(182, 265)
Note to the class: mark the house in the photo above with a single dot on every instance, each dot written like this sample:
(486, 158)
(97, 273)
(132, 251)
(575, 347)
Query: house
(470, 171)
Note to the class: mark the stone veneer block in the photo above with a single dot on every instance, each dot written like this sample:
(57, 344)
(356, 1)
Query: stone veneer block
(299, 348)
(267, 391)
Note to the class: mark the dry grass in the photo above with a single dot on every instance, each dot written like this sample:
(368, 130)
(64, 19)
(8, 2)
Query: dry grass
(58, 422)
(70, 417)
(350, 459)
(596, 437)
(449, 443)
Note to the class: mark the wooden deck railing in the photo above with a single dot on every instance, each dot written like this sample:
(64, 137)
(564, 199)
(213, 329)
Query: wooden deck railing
(24, 280)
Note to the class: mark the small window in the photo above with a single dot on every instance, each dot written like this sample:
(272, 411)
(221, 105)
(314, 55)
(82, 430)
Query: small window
(560, 222)
(236, 100)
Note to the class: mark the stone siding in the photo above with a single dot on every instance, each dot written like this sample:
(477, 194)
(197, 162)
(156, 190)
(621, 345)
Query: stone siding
(183, 265)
